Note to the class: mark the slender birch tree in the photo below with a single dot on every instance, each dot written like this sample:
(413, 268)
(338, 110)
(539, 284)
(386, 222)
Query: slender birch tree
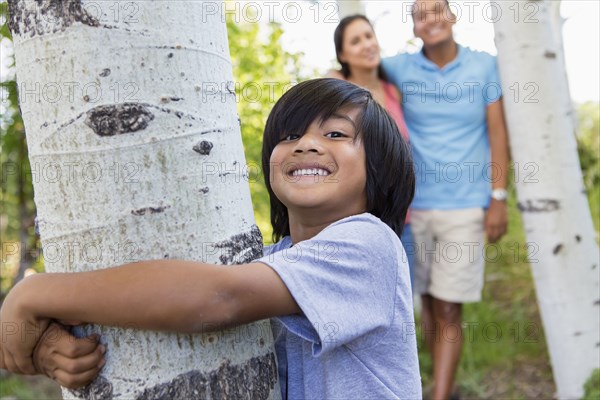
(132, 132)
(551, 196)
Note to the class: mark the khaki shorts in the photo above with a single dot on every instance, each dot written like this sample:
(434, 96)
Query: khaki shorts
(449, 260)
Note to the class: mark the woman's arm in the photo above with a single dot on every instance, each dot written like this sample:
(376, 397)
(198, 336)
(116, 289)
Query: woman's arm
(496, 219)
(169, 295)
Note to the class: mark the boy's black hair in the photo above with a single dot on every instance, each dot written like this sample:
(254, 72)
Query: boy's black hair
(390, 183)
(338, 41)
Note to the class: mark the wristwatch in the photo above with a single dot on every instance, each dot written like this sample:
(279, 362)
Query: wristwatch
(499, 194)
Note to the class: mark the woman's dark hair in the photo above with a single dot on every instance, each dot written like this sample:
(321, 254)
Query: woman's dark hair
(338, 40)
(390, 175)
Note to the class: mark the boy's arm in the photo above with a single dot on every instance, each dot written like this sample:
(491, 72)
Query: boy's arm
(496, 218)
(170, 295)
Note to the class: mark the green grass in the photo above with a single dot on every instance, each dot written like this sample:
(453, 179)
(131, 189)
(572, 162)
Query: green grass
(28, 388)
(592, 386)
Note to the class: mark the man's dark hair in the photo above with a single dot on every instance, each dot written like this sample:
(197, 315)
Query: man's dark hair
(414, 6)
(338, 41)
(390, 183)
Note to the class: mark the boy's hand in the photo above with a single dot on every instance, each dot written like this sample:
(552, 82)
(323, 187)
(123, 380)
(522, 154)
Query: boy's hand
(20, 332)
(70, 361)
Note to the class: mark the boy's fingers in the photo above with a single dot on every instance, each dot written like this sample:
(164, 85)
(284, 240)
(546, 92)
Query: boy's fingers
(79, 365)
(75, 381)
(75, 347)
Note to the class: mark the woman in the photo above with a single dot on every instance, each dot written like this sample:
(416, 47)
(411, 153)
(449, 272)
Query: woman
(357, 51)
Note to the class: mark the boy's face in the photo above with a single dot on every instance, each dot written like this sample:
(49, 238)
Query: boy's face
(433, 21)
(321, 174)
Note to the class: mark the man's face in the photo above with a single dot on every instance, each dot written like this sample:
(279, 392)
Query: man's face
(433, 21)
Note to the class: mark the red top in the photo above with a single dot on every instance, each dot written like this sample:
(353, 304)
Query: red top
(392, 106)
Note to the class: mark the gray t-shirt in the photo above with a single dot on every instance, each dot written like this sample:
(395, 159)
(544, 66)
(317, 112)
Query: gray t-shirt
(355, 338)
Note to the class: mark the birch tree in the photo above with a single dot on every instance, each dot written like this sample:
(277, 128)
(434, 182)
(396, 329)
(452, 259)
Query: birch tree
(551, 197)
(132, 132)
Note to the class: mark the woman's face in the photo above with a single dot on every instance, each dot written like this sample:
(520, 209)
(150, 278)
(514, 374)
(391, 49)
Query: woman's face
(360, 48)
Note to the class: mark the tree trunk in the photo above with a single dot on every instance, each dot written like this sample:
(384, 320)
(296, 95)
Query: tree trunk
(135, 143)
(551, 194)
(350, 7)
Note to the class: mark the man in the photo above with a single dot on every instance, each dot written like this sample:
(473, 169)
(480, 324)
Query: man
(453, 109)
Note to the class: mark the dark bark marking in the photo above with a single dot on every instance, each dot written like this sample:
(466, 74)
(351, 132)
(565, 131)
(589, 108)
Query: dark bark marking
(149, 210)
(549, 54)
(557, 249)
(577, 333)
(170, 55)
(211, 131)
(204, 147)
(539, 205)
(47, 16)
(204, 190)
(241, 248)
(597, 302)
(594, 266)
(105, 72)
(577, 238)
(99, 389)
(111, 120)
(253, 380)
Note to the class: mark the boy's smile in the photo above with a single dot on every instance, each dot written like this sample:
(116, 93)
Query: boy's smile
(321, 175)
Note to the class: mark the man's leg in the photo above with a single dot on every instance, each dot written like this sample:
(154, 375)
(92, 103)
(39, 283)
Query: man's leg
(446, 349)
(428, 322)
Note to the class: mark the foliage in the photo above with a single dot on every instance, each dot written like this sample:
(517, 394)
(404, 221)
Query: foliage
(262, 70)
(17, 212)
(592, 386)
(588, 143)
(588, 146)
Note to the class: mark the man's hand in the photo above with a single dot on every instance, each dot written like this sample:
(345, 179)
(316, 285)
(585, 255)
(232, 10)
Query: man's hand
(496, 220)
(70, 361)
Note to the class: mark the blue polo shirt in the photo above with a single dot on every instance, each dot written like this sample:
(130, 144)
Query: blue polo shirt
(445, 111)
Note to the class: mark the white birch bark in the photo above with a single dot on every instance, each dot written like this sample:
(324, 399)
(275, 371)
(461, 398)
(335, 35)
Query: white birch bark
(551, 195)
(350, 7)
(135, 145)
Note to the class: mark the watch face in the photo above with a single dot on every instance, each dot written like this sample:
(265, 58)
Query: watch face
(499, 194)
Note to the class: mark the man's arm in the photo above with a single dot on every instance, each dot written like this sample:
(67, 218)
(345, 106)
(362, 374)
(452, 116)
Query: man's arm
(168, 295)
(496, 219)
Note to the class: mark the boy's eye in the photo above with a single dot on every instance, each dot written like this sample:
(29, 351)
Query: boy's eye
(290, 137)
(335, 134)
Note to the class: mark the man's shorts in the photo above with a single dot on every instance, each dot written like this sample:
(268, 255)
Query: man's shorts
(449, 261)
